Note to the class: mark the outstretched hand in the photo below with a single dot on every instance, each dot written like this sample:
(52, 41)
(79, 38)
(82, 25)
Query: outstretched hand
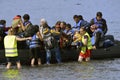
(29, 38)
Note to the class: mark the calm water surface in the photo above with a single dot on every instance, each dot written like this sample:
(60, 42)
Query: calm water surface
(54, 10)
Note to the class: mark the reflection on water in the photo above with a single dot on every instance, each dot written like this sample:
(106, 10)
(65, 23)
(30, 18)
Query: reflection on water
(94, 70)
(11, 74)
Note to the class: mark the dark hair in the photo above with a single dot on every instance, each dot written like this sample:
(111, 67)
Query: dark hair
(75, 16)
(63, 22)
(18, 16)
(36, 28)
(26, 17)
(68, 25)
(80, 17)
(58, 23)
(99, 14)
(3, 22)
(84, 29)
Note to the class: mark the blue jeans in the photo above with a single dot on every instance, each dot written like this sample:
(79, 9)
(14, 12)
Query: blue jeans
(57, 54)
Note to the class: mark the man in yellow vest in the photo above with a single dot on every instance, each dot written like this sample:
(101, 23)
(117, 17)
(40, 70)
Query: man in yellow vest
(86, 47)
(11, 52)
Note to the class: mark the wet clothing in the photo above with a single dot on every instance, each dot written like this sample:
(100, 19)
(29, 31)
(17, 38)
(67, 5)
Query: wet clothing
(35, 52)
(49, 52)
(86, 54)
(13, 59)
(85, 49)
(101, 24)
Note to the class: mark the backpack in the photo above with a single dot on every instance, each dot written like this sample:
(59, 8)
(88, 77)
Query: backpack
(31, 30)
(49, 42)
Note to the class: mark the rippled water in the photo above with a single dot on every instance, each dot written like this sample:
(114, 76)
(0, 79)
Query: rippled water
(54, 10)
(94, 70)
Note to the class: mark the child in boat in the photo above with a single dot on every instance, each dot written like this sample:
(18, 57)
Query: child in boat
(11, 52)
(77, 38)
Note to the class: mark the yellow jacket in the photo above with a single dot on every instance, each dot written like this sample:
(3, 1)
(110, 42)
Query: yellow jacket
(78, 37)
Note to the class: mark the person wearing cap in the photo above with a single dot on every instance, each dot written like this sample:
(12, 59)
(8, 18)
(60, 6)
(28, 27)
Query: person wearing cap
(100, 22)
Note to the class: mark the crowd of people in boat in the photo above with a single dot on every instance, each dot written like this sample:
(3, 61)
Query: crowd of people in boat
(85, 35)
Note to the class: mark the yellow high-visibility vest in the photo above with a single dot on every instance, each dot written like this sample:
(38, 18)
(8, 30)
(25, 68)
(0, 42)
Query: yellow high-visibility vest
(10, 44)
(89, 44)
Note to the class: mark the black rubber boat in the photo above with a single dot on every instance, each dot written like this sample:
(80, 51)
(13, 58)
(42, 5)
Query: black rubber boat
(69, 54)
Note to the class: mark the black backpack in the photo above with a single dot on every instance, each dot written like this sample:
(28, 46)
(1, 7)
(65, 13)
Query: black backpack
(50, 43)
(31, 30)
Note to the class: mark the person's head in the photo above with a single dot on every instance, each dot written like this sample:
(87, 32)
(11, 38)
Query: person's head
(80, 17)
(63, 25)
(82, 30)
(26, 17)
(3, 22)
(76, 19)
(77, 32)
(99, 15)
(43, 22)
(93, 27)
(11, 31)
(16, 21)
(36, 28)
(57, 26)
(68, 26)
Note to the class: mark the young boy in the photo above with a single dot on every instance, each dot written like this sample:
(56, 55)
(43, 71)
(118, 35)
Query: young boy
(77, 38)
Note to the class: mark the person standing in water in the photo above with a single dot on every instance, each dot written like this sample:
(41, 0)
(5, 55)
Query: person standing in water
(86, 45)
(11, 52)
(35, 47)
